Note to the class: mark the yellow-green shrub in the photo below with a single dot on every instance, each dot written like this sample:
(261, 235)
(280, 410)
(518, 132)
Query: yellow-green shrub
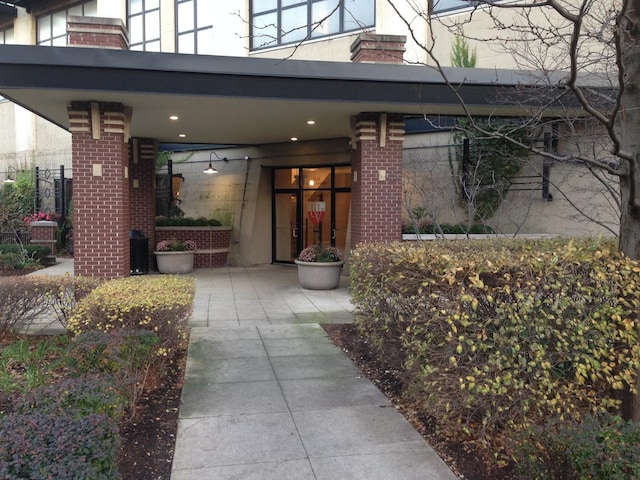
(500, 335)
(161, 304)
(68, 291)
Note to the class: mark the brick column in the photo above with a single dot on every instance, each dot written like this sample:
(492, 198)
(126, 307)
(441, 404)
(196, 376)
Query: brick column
(97, 32)
(101, 208)
(376, 191)
(143, 188)
(372, 48)
(44, 233)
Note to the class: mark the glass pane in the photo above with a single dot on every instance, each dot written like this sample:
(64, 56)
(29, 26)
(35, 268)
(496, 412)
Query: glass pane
(8, 36)
(152, 25)
(264, 31)
(288, 3)
(186, 43)
(317, 218)
(205, 12)
(185, 17)
(316, 178)
(325, 18)
(205, 41)
(151, 4)
(358, 14)
(60, 41)
(91, 9)
(153, 46)
(259, 6)
(286, 177)
(77, 10)
(44, 28)
(135, 6)
(442, 5)
(135, 29)
(137, 48)
(285, 225)
(342, 177)
(59, 23)
(343, 207)
(294, 24)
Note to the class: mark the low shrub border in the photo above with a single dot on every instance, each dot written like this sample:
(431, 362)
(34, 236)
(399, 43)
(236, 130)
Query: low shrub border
(500, 335)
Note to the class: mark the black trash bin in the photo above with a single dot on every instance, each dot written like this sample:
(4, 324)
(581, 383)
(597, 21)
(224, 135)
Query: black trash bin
(138, 253)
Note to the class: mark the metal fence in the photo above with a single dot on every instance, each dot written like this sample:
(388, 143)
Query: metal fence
(15, 237)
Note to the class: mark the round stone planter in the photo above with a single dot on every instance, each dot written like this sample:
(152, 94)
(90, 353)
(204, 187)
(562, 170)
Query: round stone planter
(319, 275)
(175, 262)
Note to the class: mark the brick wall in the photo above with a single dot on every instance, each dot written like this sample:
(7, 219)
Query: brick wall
(44, 233)
(101, 208)
(97, 32)
(377, 187)
(213, 243)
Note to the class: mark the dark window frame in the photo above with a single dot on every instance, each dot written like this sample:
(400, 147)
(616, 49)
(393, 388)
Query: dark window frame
(145, 11)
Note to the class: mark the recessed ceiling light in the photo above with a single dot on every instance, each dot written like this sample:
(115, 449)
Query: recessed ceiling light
(294, 139)
(173, 117)
(182, 135)
(311, 122)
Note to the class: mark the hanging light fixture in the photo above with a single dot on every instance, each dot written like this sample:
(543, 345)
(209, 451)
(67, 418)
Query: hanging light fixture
(209, 170)
(9, 178)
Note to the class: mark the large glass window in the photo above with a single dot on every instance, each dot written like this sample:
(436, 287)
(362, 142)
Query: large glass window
(6, 36)
(144, 25)
(195, 26)
(52, 27)
(281, 22)
(448, 5)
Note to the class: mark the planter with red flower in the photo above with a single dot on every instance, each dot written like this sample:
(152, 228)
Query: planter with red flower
(175, 257)
(319, 267)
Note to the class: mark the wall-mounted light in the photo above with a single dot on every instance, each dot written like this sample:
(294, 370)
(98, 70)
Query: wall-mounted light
(210, 170)
(9, 178)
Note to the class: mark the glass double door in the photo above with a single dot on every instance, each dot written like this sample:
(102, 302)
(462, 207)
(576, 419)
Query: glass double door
(310, 206)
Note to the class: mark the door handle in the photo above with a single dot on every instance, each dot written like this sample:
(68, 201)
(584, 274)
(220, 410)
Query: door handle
(294, 232)
(333, 233)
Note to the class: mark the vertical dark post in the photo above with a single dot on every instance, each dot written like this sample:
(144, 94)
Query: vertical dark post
(466, 156)
(63, 196)
(36, 200)
(546, 165)
(170, 182)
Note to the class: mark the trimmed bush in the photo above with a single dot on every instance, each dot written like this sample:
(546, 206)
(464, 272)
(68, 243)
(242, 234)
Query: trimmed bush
(600, 448)
(22, 299)
(127, 355)
(503, 334)
(41, 446)
(76, 397)
(68, 292)
(186, 222)
(446, 229)
(159, 304)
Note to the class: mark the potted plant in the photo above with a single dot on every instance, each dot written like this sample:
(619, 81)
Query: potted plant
(175, 256)
(319, 267)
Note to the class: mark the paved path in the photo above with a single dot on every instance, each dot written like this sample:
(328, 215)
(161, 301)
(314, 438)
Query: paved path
(267, 396)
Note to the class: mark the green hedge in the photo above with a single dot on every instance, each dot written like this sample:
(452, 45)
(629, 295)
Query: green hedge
(499, 335)
(187, 222)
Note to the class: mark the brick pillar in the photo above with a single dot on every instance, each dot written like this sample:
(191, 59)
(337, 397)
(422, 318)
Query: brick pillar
(372, 48)
(44, 233)
(101, 208)
(376, 191)
(97, 32)
(143, 188)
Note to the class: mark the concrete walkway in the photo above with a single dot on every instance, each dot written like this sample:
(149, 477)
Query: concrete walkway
(267, 396)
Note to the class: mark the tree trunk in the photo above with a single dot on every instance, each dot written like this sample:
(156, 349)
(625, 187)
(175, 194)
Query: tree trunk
(628, 123)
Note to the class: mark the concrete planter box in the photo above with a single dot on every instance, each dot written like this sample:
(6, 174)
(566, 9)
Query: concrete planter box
(175, 262)
(319, 275)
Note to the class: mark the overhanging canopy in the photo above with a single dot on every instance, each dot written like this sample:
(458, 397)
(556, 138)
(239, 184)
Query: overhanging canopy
(244, 100)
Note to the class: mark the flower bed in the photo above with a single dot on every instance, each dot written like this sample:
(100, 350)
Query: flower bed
(213, 243)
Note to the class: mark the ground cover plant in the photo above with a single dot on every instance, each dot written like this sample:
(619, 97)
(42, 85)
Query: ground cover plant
(494, 338)
(76, 406)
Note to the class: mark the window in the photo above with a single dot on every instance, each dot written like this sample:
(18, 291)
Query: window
(448, 5)
(281, 22)
(6, 36)
(195, 26)
(52, 28)
(144, 25)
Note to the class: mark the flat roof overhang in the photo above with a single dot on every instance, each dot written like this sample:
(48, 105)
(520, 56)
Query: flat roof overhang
(252, 101)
